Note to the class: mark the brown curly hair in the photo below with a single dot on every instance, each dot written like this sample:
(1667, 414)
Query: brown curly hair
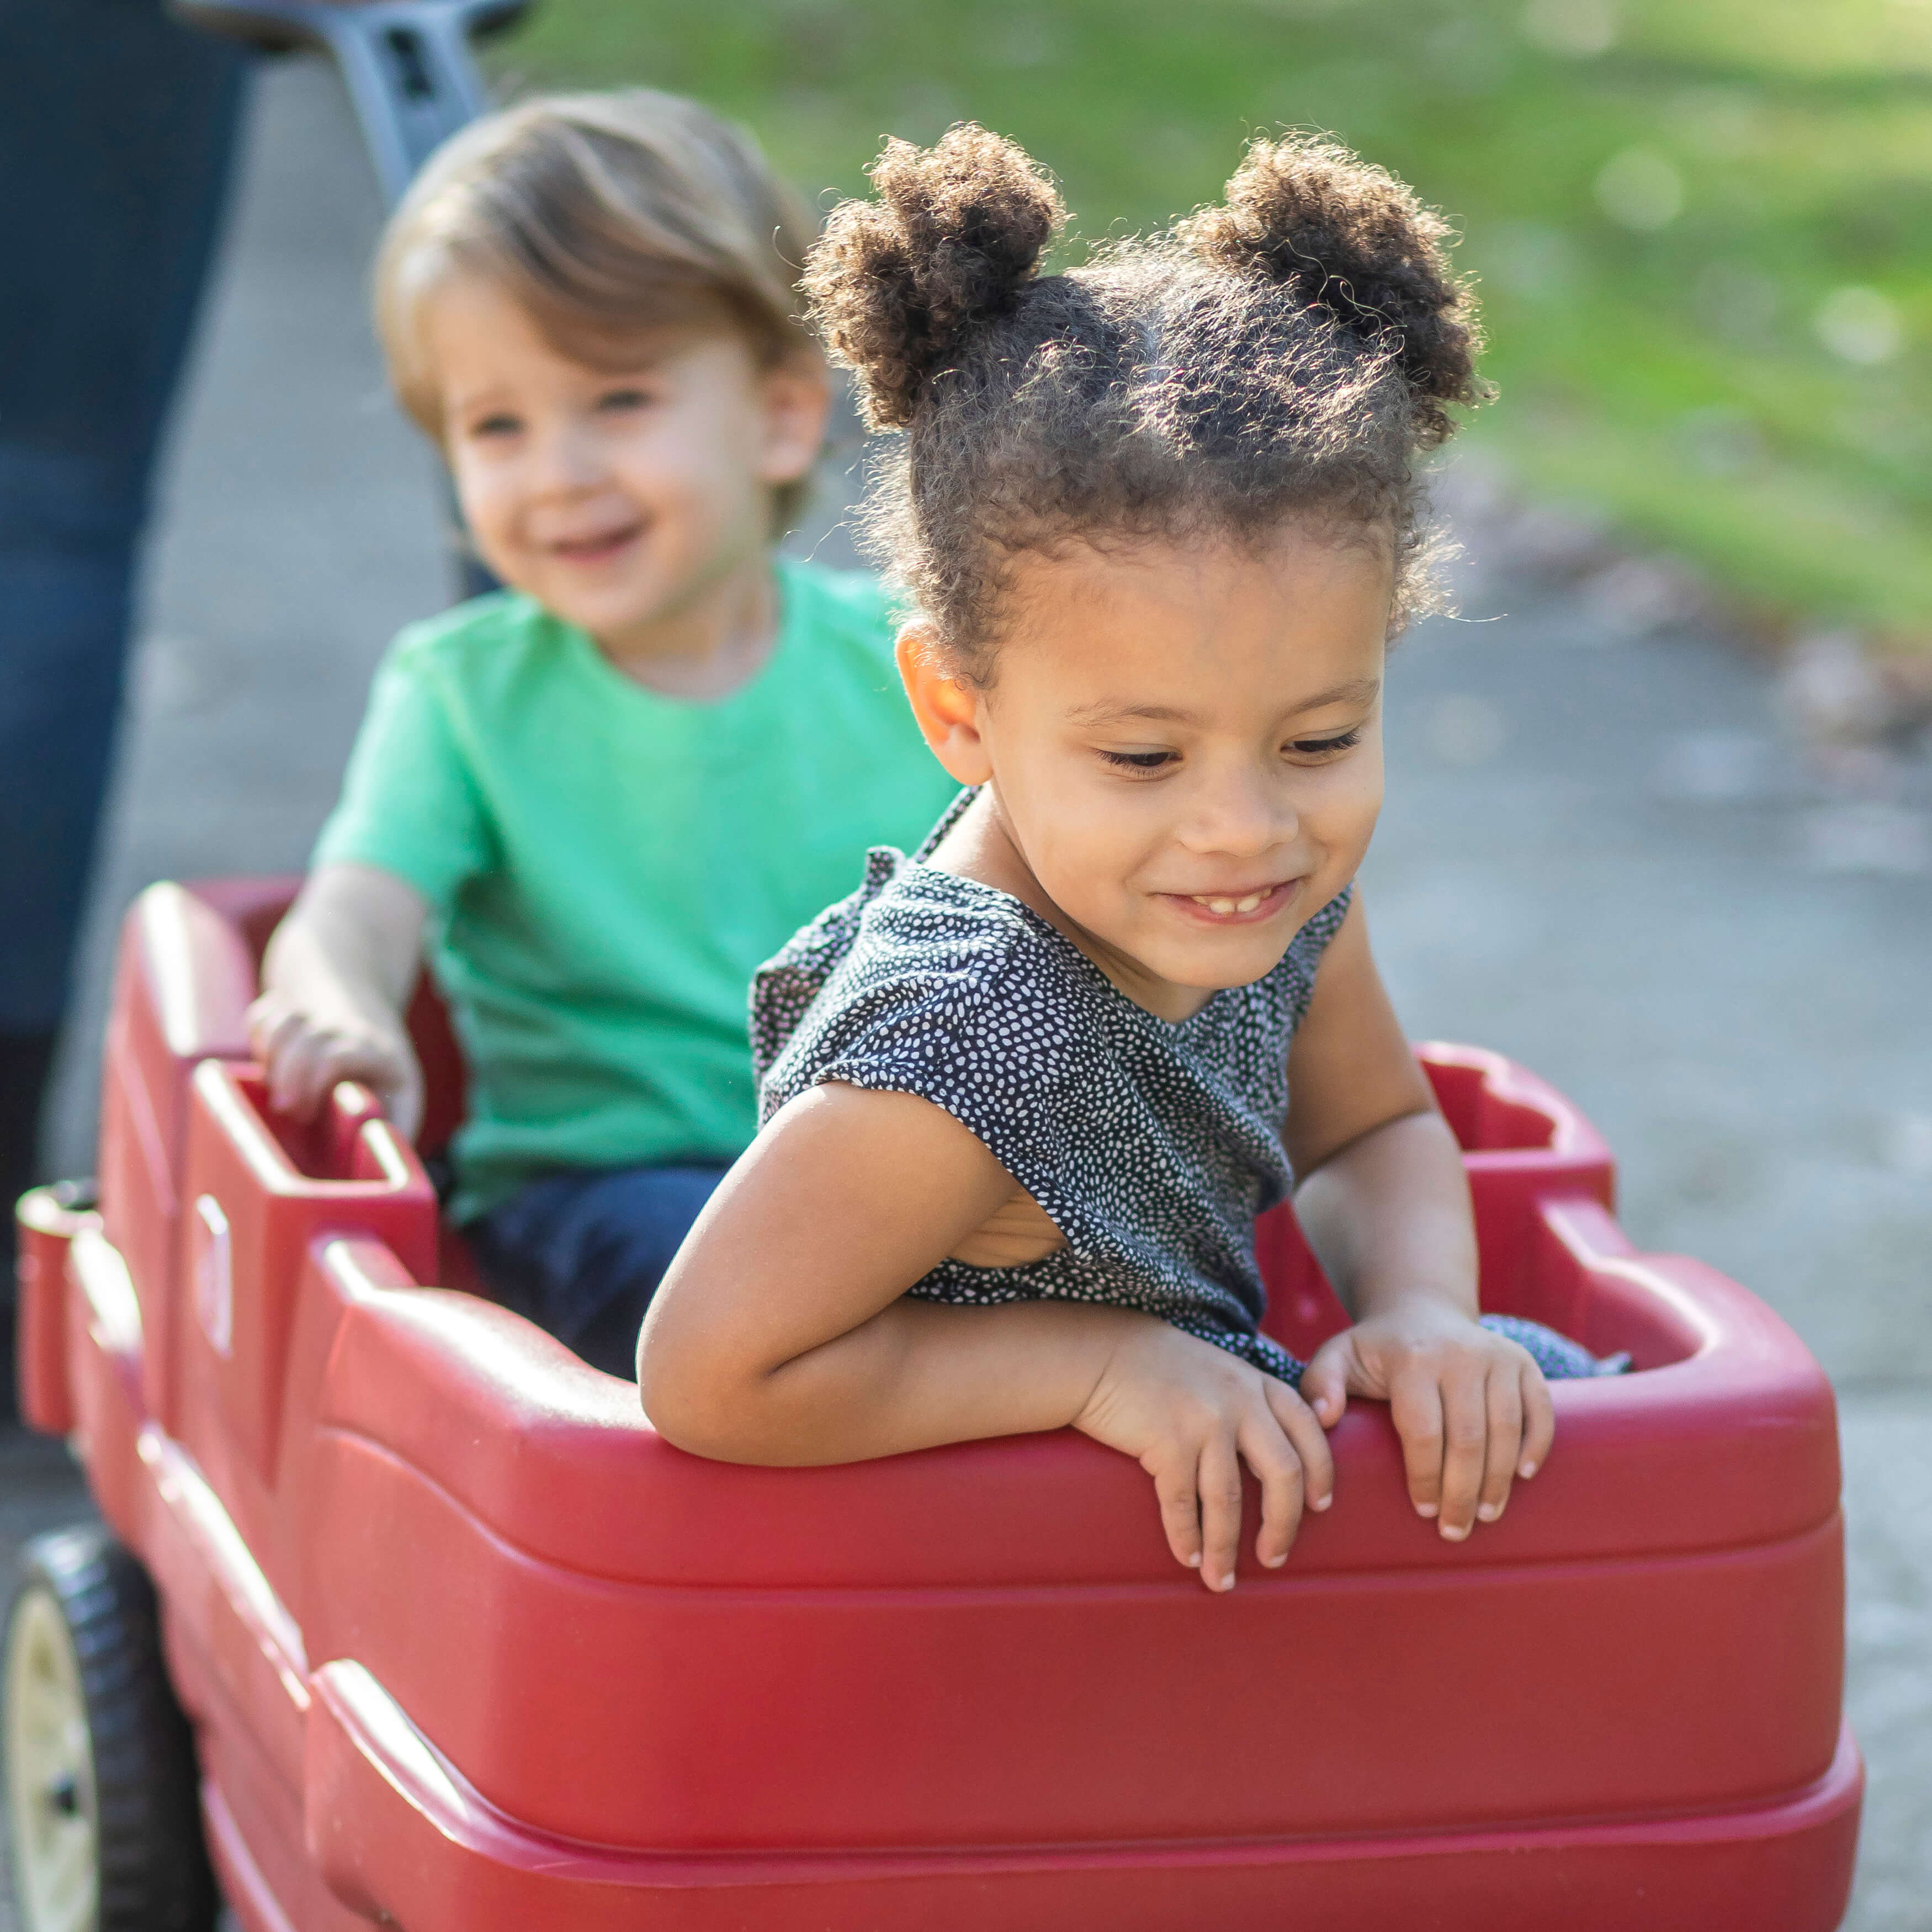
(1283, 356)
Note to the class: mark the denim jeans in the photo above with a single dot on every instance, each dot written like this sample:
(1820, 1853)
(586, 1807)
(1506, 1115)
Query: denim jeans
(117, 128)
(582, 1253)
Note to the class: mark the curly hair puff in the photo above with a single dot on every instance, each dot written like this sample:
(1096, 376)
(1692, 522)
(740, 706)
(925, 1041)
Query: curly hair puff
(1283, 357)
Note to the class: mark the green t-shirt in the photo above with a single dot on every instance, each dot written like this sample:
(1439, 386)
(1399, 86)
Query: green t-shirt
(606, 868)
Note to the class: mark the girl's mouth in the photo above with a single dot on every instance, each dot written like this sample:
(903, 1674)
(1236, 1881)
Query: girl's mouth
(1247, 906)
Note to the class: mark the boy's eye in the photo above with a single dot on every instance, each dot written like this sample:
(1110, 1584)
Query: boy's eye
(1318, 747)
(615, 401)
(1140, 761)
(501, 424)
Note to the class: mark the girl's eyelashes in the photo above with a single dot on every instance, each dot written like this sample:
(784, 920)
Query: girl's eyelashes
(1301, 748)
(1319, 748)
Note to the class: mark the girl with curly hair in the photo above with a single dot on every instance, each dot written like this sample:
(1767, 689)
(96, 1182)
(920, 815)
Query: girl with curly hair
(1024, 1094)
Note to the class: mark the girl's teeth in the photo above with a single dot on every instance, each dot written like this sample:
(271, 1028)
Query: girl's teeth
(1226, 907)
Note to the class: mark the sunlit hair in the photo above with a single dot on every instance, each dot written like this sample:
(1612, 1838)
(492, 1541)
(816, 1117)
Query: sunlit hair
(1281, 359)
(606, 217)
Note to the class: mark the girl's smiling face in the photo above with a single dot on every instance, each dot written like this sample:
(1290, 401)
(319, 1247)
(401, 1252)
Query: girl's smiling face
(615, 496)
(1183, 747)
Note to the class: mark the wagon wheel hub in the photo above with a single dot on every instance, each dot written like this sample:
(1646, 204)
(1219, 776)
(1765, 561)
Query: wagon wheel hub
(50, 1798)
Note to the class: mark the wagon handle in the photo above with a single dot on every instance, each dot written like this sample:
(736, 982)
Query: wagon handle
(406, 63)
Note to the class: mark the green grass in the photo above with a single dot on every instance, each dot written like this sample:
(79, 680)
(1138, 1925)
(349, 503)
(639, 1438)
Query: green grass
(1682, 376)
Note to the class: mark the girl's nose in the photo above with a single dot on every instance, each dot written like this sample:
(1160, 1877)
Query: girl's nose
(1239, 817)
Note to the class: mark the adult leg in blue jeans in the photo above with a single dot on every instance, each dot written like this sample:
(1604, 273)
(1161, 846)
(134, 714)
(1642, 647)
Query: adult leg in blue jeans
(117, 128)
(581, 1254)
(116, 131)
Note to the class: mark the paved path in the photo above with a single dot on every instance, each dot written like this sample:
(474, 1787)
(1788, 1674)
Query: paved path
(1600, 855)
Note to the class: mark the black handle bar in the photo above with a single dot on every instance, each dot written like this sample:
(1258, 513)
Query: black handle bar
(406, 63)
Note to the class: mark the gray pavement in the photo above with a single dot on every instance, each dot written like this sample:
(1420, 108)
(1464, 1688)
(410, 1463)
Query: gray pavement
(1602, 854)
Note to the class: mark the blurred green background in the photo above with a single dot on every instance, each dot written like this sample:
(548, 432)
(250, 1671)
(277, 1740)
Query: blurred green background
(1702, 228)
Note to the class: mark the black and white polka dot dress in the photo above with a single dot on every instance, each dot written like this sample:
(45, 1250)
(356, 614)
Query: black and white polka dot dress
(1152, 1146)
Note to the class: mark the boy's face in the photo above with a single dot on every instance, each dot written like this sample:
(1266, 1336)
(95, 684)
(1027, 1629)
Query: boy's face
(616, 500)
(1184, 746)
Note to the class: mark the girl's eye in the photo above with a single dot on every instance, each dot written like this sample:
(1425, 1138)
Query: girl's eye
(1140, 761)
(615, 401)
(503, 424)
(1321, 747)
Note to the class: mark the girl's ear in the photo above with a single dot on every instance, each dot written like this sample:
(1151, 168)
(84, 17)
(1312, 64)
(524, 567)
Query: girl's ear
(947, 710)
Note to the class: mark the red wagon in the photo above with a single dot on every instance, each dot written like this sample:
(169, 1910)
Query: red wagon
(462, 1646)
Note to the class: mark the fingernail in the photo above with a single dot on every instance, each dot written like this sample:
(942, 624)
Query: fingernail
(1194, 1561)
(1321, 1502)
(1227, 1583)
(1455, 1532)
(1425, 1509)
(1276, 1562)
(1489, 1512)
(1526, 1469)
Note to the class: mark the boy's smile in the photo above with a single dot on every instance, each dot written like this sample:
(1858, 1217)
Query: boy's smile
(632, 497)
(599, 547)
(1181, 749)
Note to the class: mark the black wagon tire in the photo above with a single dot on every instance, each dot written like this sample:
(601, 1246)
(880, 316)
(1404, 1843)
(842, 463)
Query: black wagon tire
(103, 1806)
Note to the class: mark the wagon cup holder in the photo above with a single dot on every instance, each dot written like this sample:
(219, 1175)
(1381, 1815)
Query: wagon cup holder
(260, 1189)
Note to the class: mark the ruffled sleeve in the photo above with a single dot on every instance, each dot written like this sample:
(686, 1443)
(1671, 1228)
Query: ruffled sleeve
(958, 1000)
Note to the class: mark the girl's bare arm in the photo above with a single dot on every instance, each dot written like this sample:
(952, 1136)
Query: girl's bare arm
(336, 983)
(782, 1333)
(1384, 1203)
(1362, 1133)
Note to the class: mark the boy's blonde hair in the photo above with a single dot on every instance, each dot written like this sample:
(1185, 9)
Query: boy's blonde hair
(603, 216)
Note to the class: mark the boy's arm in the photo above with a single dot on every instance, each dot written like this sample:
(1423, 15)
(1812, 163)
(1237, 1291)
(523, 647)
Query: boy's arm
(1384, 1201)
(782, 1333)
(336, 983)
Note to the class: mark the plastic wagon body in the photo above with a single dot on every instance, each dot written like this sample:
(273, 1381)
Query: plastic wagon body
(467, 1646)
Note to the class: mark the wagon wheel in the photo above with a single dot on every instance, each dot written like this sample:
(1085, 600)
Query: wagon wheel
(103, 1818)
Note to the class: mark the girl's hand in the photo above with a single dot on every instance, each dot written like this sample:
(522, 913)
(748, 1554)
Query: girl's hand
(1471, 1408)
(1191, 1414)
(303, 1058)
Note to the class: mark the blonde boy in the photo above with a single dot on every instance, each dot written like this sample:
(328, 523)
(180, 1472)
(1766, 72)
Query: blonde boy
(603, 796)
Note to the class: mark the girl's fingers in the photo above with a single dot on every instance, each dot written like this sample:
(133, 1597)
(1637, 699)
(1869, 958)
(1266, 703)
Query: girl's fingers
(1504, 1394)
(1324, 1382)
(1180, 1500)
(1539, 1420)
(1278, 1469)
(1219, 1479)
(1307, 1433)
(1465, 1434)
(1415, 1405)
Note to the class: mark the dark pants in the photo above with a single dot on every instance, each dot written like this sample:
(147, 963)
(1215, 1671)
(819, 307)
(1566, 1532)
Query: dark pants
(117, 128)
(581, 1254)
